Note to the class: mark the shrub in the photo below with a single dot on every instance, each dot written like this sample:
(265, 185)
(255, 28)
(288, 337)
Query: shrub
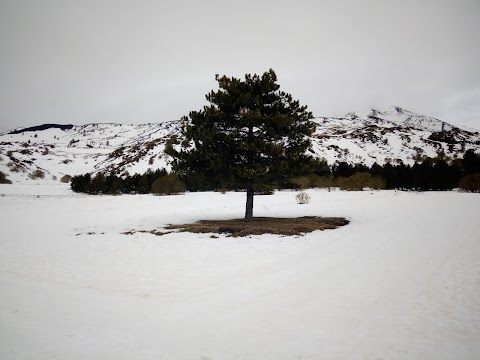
(322, 182)
(312, 181)
(470, 183)
(36, 174)
(65, 178)
(377, 183)
(14, 167)
(302, 197)
(359, 181)
(168, 185)
(3, 178)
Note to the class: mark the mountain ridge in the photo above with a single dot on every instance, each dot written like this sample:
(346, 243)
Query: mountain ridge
(379, 135)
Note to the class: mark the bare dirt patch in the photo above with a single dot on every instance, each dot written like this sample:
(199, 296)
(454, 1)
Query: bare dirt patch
(262, 225)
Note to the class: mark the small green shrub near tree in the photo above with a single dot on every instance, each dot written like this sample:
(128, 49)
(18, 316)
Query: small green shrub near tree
(168, 185)
(470, 183)
(3, 178)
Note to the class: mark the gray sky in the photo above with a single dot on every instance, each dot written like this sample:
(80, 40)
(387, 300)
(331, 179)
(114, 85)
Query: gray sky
(144, 61)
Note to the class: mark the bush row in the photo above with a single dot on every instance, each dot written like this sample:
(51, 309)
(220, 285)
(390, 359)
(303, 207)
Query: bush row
(158, 182)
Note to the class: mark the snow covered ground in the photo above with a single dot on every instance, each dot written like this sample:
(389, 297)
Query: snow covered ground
(401, 281)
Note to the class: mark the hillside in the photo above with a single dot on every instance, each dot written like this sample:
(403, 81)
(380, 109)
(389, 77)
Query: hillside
(390, 135)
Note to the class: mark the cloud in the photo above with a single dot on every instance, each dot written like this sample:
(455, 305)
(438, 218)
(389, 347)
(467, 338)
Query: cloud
(123, 61)
(463, 108)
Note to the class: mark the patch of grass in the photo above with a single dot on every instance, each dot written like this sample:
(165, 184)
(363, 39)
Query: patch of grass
(262, 225)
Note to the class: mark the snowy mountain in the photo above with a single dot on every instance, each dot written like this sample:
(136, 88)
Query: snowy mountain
(390, 135)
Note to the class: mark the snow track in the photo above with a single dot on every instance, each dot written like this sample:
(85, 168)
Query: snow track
(401, 281)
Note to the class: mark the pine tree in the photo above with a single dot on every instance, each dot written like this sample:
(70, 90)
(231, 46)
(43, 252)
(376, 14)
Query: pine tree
(251, 135)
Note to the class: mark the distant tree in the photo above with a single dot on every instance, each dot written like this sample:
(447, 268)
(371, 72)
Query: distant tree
(343, 169)
(98, 184)
(251, 135)
(471, 163)
(114, 185)
(81, 183)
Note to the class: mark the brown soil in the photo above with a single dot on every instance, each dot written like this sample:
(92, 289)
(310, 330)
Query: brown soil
(262, 225)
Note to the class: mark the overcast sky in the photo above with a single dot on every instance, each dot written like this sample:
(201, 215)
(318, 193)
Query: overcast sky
(144, 61)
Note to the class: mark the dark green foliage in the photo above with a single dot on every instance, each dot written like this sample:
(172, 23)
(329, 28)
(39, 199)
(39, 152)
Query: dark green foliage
(252, 134)
(112, 184)
(431, 174)
(471, 163)
(81, 183)
(343, 169)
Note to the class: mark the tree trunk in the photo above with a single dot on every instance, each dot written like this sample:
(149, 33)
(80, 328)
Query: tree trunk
(249, 204)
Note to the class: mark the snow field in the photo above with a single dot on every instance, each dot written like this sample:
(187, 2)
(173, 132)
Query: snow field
(401, 281)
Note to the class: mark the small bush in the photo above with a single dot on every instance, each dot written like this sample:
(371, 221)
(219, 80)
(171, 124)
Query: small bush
(168, 185)
(302, 197)
(470, 183)
(65, 179)
(14, 167)
(3, 178)
(312, 181)
(36, 174)
(359, 181)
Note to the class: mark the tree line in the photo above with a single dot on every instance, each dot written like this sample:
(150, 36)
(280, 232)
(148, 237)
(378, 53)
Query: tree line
(431, 174)
(114, 185)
